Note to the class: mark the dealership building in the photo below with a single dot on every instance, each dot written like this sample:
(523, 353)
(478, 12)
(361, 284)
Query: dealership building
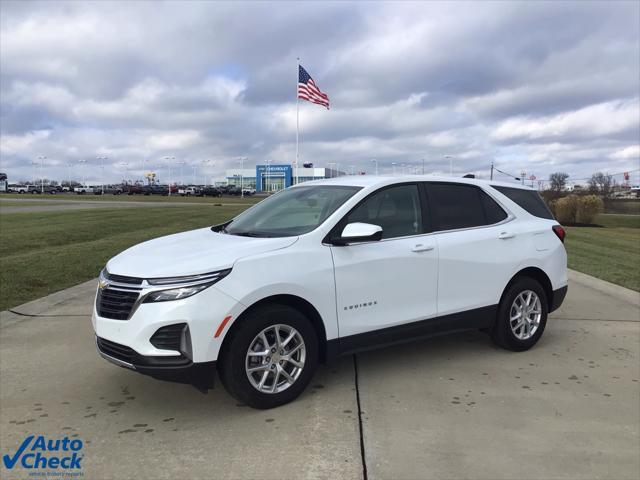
(271, 178)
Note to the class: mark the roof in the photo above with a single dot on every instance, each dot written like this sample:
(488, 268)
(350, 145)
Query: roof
(382, 180)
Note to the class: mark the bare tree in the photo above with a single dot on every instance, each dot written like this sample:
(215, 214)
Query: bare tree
(558, 181)
(601, 184)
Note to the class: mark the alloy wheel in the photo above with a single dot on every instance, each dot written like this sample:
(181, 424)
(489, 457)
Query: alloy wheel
(525, 315)
(275, 358)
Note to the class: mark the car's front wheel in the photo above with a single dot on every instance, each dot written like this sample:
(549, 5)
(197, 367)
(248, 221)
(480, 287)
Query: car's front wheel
(522, 315)
(270, 357)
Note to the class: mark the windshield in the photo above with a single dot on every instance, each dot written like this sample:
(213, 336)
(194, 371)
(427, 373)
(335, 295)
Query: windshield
(291, 212)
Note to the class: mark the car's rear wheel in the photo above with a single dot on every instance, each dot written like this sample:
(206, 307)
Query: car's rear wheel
(270, 357)
(522, 315)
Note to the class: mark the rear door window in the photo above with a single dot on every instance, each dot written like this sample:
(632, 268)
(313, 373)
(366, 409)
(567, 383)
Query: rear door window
(529, 200)
(396, 209)
(456, 206)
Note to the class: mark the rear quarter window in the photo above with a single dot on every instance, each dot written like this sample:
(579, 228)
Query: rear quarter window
(529, 200)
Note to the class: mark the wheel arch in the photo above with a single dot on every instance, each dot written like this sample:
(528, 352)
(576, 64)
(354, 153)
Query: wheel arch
(295, 302)
(538, 275)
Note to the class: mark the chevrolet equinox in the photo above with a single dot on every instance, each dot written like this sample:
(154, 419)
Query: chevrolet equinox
(327, 268)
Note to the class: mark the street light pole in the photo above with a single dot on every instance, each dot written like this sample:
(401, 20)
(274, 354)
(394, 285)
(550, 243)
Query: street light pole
(41, 158)
(242, 159)
(169, 160)
(102, 159)
(450, 163)
(84, 173)
(181, 163)
(373, 160)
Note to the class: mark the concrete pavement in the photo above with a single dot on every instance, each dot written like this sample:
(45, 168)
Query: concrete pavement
(449, 407)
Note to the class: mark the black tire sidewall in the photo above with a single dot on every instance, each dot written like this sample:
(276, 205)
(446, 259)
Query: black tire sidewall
(232, 362)
(502, 332)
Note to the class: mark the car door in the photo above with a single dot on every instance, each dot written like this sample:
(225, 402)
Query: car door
(477, 246)
(393, 281)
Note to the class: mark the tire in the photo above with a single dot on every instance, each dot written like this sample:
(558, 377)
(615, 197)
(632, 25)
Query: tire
(233, 357)
(522, 338)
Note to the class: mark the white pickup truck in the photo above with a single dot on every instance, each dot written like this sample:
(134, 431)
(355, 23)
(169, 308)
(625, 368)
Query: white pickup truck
(188, 191)
(18, 188)
(81, 190)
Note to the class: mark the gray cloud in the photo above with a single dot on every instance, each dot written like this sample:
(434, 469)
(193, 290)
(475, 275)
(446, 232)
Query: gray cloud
(538, 86)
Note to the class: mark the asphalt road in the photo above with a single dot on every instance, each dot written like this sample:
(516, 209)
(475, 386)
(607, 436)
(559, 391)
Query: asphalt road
(448, 407)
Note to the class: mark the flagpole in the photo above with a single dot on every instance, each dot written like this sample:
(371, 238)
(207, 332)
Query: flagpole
(297, 120)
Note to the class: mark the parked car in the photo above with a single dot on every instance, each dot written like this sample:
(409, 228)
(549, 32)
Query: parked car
(232, 190)
(248, 191)
(332, 268)
(209, 192)
(109, 190)
(155, 190)
(82, 190)
(188, 191)
(134, 189)
(52, 189)
(18, 188)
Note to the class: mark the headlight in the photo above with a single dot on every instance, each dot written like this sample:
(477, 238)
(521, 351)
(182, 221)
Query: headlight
(175, 293)
(205, 277)
(184, 287)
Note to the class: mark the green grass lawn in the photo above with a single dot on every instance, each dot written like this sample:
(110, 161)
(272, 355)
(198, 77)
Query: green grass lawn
(610, 251)
(43, 252)
(5, 198)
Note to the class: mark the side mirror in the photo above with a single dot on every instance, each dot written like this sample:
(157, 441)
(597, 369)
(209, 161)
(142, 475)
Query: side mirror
(359, 232)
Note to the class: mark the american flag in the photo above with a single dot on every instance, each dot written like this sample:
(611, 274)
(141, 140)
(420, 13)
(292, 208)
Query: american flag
(307, 89)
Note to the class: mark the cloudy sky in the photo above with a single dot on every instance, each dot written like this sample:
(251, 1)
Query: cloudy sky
(536, 87)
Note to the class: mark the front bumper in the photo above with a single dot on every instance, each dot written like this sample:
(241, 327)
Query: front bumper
(172, 369)
(176, 368)
(202, 313)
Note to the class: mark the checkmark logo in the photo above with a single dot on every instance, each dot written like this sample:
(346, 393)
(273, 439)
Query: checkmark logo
(10, 462)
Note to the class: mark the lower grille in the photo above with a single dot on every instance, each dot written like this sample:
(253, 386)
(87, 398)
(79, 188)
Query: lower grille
(115, 304)
(115, 350)
(169, 337)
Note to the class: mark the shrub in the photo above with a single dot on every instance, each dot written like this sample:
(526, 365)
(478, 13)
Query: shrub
(566, 209)
(577, 209)
(588, 207)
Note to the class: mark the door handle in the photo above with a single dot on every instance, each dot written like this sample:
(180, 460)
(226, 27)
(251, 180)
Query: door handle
(420, 247)
(505, 235)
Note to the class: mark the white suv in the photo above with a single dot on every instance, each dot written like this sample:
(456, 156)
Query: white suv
(327, 268)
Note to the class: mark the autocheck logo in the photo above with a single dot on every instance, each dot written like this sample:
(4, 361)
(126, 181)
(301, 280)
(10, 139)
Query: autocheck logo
(39, 453)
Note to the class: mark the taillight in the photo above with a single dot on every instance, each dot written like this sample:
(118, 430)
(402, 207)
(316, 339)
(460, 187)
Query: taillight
(560, 232)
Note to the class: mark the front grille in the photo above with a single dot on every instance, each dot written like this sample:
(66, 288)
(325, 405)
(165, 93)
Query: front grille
(121, 279)
(115, 304)
(168, 338)
(115, 350)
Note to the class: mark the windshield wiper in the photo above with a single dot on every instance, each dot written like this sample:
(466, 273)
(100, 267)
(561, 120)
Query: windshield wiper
(248, 234)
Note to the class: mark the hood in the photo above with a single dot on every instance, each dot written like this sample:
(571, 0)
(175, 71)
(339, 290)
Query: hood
(190, 253)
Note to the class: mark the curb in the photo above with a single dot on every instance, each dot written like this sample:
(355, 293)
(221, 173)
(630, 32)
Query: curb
(621, 293)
